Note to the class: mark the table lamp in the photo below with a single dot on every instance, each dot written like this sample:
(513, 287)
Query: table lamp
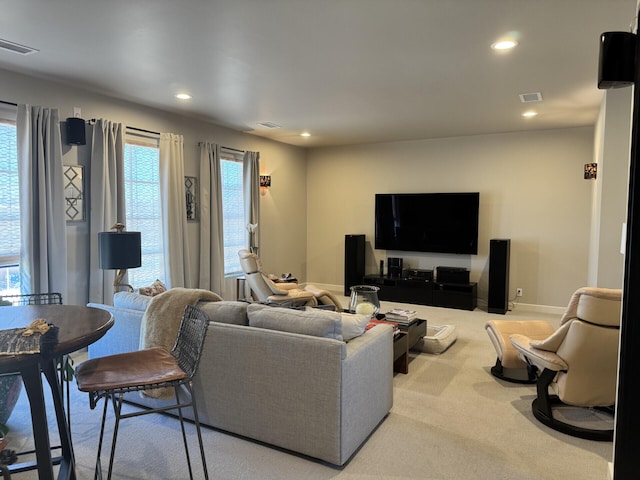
(119, 250)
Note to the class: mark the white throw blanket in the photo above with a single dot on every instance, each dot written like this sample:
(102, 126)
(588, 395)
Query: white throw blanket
(161, 322)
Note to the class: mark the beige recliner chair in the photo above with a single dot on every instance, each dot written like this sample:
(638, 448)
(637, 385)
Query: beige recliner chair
(265, 290)
(578, 361)
(268, 291)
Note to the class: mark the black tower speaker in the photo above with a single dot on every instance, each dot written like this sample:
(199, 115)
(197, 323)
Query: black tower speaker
(616, 67)
(353, 261)
(75, 131)
(499, 253)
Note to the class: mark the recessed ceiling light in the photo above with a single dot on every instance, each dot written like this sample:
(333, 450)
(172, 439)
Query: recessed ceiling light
(504, 44)
(305, 134)
(529, 114)
(183, 96)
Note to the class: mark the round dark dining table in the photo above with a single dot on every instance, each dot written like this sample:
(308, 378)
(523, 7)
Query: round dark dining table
(78, 327)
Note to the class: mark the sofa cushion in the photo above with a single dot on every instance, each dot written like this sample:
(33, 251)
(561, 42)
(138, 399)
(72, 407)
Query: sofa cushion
(130, 300)
(318, 323)
(226, 311)
(353, 325)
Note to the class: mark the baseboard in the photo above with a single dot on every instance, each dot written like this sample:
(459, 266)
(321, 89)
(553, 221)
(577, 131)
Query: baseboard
(336, 289)
(528, 307)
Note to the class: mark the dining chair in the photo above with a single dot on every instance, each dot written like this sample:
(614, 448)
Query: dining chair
(113, 376)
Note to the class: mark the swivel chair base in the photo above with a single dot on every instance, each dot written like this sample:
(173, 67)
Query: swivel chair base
(542, 408)
(498, 371)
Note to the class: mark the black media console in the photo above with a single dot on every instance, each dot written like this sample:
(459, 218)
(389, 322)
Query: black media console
(418, 286)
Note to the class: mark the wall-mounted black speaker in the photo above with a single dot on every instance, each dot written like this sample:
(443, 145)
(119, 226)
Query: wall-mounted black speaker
(616, 68)
(499, 255)
(75, 131)
(353, 261)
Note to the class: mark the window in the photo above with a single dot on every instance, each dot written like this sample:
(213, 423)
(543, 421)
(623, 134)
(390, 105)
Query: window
(9, 210)
(233, 224)
(142, 203)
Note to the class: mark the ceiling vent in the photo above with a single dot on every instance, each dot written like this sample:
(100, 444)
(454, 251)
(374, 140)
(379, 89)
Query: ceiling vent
(16, 47)
(269, 125)
(530, 97)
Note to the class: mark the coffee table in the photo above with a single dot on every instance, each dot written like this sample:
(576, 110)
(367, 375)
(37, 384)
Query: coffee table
(403, 340)
(400, 352)
(415, 330)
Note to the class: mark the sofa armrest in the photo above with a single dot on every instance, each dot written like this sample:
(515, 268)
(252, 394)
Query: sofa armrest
(286, 286)
(123, 337)
(367, 386)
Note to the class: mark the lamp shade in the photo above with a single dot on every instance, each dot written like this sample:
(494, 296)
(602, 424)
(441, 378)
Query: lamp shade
(119, 250)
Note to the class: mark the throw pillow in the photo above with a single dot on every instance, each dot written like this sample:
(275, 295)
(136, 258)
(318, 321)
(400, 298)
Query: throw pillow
(154, 289)
(225, 311)
(353, 325)
(317, 323)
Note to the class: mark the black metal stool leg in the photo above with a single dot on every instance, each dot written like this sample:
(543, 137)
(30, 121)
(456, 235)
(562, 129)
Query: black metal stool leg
(117, 408)
(184, 433)
(197, 422)
(98, 473)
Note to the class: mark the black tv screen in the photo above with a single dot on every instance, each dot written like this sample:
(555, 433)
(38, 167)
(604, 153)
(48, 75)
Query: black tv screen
(427, 222)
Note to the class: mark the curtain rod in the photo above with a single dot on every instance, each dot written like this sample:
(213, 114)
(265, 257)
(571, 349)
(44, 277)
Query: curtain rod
(233, 149)
(93, 120)
(143, 130)
(9, 103)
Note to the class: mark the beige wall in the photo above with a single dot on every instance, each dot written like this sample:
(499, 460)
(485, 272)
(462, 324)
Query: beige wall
(531, 191)
(612, 153)
(530, 184)
(283, 207)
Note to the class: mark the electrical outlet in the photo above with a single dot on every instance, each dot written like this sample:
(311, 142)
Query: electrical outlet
(518, 292)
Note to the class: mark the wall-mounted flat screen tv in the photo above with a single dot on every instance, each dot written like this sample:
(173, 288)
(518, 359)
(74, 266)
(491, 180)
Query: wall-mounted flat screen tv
(427, 222)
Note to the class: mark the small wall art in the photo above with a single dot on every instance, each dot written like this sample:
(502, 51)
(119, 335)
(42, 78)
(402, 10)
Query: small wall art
(191, 198)
(74, 192)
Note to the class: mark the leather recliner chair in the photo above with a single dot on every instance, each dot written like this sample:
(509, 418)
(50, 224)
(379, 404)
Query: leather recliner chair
(265, 290)
(273, 291)
(578, 361)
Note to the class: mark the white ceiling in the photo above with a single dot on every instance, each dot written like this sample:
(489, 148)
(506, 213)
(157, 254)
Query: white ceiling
(347, 71)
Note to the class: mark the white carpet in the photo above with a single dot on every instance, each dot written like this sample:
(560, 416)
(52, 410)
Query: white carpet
(450, 420)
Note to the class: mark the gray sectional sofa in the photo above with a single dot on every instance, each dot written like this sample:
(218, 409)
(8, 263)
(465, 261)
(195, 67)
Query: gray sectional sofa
(279, 376)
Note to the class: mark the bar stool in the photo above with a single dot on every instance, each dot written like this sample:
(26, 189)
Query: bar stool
(148, 369)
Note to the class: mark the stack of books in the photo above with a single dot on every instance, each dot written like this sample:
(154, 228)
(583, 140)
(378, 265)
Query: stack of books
(401, 316)
(373, 322)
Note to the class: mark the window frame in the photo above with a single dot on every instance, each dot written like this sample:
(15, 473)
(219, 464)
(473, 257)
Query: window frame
(231, 156)
(8, 116)
(137, 138)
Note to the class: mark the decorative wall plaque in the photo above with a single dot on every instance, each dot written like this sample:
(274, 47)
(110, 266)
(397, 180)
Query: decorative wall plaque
(74, 192)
